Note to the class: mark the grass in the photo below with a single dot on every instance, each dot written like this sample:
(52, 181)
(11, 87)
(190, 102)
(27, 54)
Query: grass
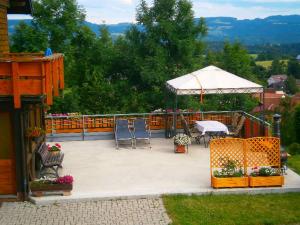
(294, 163)
(269, 209)
(267, 64)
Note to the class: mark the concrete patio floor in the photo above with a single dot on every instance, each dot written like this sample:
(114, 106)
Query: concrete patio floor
(102, 172)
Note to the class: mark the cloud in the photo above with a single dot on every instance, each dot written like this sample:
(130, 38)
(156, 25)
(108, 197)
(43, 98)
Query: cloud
(128, 2)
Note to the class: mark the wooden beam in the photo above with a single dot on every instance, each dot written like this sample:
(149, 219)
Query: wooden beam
(4, 45)
(15, 82)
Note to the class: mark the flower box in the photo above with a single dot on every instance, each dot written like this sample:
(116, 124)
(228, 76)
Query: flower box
(39, 190)
(266, 181)
(180, 149)
(229, 182)
(61, 184)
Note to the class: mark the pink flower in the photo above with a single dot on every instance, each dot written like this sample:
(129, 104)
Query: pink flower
(64, 180)
(58, 145)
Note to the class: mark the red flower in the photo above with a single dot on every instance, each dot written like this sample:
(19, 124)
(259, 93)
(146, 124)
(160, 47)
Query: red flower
(58, 145)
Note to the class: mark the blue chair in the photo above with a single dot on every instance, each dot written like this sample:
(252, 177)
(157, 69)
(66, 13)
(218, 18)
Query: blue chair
(141, 130)
(122, 132)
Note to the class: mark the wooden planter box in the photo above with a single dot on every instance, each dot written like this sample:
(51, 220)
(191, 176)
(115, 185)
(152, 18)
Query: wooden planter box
(266, 181)
(40, 190)
(229, 182)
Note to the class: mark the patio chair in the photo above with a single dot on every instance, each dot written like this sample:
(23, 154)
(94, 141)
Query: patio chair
(237, 131)
(122, 132)
(235, 119)
(193, 133)
(141, 130)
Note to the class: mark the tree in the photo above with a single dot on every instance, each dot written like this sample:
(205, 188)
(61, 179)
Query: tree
(277, 67)
(294, 68)
(28, 39)
(297, 123)
(236, 59)
(291, 85)
(168, 45)
(59, 19)
(287, 127)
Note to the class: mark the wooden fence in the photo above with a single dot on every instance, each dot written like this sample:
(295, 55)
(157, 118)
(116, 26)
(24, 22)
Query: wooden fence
(253, 126)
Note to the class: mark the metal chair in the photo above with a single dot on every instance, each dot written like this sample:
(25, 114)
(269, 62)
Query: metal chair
(141, 130)
(123, 133)
(237, 130)
(193, 133)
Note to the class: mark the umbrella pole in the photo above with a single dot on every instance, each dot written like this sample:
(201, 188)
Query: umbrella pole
(175, 115)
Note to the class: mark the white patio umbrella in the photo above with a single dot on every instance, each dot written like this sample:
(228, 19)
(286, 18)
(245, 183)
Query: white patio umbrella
(212, 80)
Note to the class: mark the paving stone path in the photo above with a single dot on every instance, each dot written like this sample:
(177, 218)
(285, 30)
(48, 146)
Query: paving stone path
(148, 211)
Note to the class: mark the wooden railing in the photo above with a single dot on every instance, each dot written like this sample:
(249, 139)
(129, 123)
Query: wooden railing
(31, 74)
(84, 124)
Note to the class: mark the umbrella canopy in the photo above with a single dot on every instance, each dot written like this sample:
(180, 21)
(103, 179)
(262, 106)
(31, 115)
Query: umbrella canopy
(212, 80)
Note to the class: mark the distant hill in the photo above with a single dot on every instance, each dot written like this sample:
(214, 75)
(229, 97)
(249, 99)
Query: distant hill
(271, 30)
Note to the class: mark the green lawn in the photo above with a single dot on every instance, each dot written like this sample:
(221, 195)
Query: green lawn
(267, 64)
(294, 163)
(234, 209)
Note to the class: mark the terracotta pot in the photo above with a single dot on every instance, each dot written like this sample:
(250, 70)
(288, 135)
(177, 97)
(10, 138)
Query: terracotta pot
(180, 149)
(55, 152)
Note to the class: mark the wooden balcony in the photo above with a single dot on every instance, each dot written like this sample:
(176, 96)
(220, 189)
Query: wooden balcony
(31, 75)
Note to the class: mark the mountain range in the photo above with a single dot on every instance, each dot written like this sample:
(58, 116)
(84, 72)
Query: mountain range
(270, 30)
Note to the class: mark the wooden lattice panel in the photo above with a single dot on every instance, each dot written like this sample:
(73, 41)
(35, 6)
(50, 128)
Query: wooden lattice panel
(231, 148)
(262, 151)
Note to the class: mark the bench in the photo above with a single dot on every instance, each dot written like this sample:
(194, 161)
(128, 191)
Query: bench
(49, 161)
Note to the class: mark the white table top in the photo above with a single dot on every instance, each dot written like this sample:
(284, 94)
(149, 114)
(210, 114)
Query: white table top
(211, 126)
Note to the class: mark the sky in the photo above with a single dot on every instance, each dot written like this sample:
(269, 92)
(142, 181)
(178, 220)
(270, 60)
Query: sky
(117, 11)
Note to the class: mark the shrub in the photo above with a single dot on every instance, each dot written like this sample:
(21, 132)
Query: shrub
(294, 149)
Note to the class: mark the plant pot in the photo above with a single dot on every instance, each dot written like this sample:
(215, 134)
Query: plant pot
(229, 182)
(180, 149)
(55, 152)
(269, 181)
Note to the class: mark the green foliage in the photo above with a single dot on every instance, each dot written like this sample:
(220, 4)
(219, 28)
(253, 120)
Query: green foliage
(266, 172)
(291, 85)
(294, 149)
(297, 123)
(129, 73)
(287, 127)
(59, 19)
(28, 39)
(277, 67)
(294, 163)
(230, 168)
(226, 209)
(294, 68)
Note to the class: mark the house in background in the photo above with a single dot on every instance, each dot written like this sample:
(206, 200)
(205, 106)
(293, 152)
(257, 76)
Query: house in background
(298, 58)
(272, 99)
(277, 81)
(28, 82)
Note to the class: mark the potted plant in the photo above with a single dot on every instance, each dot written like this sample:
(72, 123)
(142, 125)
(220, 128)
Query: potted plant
(54, 149)
(64, 184)
(230, 175)
(265, 177)
(180, 142)
(35, 133)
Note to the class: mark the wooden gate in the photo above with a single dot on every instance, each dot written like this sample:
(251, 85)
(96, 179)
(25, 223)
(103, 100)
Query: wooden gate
(7, 155)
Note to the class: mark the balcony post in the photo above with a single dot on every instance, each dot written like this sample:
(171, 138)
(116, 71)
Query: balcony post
(276, 125)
